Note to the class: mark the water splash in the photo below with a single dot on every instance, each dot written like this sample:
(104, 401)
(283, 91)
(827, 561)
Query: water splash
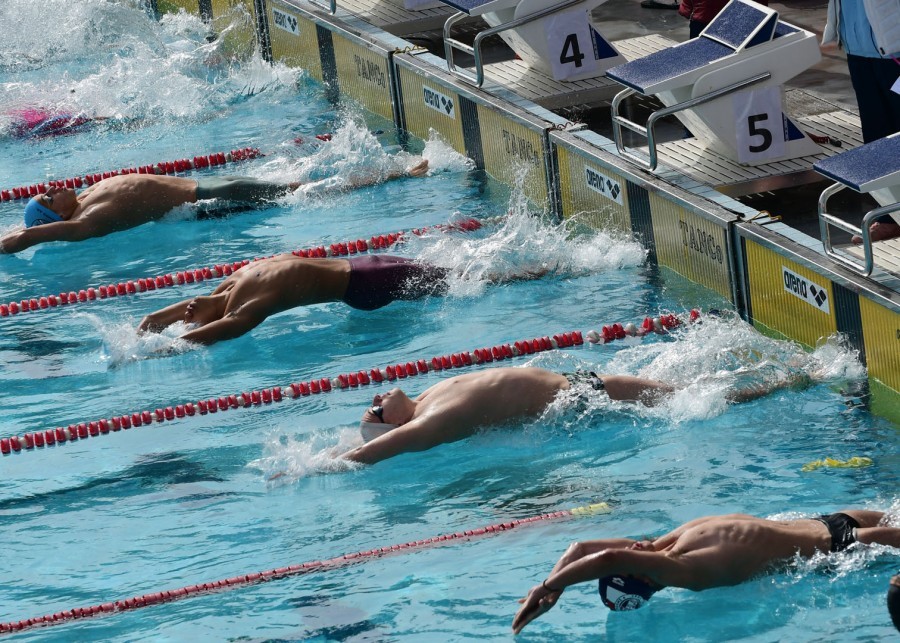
(353, 157)
(523, 246)
(117, 65)
(285, 460)
(708, 363)
(122, 343)
(442, 157)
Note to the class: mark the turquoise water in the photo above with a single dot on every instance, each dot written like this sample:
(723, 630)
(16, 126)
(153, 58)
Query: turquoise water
(186, 502)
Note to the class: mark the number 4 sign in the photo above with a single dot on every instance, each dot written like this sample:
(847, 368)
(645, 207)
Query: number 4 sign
(759, 125)
(570, 43)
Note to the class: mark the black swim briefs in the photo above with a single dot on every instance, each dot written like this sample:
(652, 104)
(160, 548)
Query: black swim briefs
(239, 188)
(590, 378)
(842, 529)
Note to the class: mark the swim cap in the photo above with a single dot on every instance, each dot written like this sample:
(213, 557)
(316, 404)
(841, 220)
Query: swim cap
(893, 601)
(621, 593)
(372, 430)
(37, 214)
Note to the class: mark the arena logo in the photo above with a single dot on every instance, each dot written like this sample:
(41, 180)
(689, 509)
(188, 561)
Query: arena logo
(286, 22)
(439, 103)
(603, 184)
(802, 288)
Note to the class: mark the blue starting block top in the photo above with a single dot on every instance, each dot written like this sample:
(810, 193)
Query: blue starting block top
(739, 25)
(868, 167)
(669, 63)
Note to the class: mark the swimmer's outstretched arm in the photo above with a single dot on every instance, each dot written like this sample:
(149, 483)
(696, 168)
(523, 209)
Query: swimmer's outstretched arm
(658, 567)
(57, 231)
(420, 434)
(163, 318)
(230, 326)
(576, 551)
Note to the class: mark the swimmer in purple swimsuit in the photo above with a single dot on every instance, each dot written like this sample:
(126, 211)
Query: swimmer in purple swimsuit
(39, 122)
(272, 285)
(715, 551)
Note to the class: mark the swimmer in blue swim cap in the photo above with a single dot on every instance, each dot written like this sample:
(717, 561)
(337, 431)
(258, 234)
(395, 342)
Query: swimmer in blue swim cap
(37, 211)
(129, 200)
(715, 551)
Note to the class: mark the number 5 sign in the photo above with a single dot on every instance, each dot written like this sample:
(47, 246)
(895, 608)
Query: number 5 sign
(759, 125)
(571, 45)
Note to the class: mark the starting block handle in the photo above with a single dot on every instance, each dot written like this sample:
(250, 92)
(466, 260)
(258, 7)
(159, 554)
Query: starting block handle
(330, 6)
(618, 122)
(450, 44)
(828, 221)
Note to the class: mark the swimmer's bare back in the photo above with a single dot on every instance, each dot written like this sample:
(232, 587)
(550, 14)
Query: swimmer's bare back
(122, 202)
(286, 281)
(250, 295)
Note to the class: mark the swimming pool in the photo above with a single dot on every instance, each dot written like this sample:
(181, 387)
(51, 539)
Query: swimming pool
(179, 503)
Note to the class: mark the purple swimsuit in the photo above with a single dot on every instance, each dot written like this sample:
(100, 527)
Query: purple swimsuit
(377, 280)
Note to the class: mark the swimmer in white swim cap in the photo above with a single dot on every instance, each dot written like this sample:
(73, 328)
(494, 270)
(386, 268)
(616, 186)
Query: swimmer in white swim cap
(457, 407)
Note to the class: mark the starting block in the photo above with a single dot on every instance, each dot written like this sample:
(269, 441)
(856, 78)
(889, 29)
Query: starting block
(873, 168)
(725, 86)
(558, 39)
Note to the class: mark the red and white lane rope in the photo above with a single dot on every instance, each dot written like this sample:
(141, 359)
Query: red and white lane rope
(163, 167)
(192, 275)
(235, 582)
(125, 421)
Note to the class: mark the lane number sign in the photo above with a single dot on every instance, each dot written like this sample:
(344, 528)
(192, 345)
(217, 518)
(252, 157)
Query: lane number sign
(759, 125)
(570, 43)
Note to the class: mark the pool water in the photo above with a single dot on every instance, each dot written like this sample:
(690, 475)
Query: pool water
(191, 501)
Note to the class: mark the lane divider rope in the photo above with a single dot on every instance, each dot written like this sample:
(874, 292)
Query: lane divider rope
(206, 273)
(235, 582)
(163, 167)
(116, 423)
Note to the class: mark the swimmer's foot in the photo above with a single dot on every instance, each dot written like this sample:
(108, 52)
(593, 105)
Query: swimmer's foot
(880, 231)
(419, 169)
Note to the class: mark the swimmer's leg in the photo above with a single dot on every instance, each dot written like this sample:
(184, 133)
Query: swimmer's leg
(240, 188)
(635, 389)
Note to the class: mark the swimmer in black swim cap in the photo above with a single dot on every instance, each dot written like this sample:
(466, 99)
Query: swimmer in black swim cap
(622, 593)
(893, 601)
(715, 551)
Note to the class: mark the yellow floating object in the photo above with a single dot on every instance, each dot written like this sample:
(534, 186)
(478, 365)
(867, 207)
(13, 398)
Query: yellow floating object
(853, 463)
(589, 510)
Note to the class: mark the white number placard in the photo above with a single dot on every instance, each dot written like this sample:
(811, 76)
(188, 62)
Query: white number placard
(571, 44)
(759, 125)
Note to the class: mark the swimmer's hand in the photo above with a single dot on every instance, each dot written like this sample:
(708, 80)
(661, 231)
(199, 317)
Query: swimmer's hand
(538, 602)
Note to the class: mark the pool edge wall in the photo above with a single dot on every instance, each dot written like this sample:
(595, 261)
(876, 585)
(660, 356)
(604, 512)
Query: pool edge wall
(779, 282)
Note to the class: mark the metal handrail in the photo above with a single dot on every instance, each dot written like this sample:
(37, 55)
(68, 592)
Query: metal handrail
(618, 122)
(331, 6)
(828, 221)
(475, 50)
